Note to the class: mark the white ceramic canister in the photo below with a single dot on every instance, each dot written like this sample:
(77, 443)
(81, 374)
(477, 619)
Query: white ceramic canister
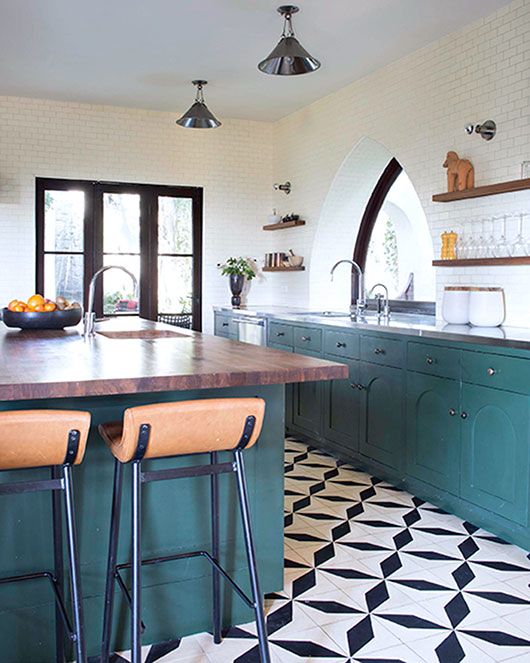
(486, 307)
(455, 304)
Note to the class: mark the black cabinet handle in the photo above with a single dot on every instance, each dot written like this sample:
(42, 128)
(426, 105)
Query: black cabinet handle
(452, 411)
(464, 415)
(491, 371)
(306, 338)
(340, 344)
(379, 351)
(429, 360)
(225, 324)
(280, 333)
(360, 387)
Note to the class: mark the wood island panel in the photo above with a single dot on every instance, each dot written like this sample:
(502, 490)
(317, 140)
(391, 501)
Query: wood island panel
(62, 364)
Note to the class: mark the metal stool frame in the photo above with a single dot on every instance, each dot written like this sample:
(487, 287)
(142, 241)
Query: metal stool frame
(213, 469)
(61, 481)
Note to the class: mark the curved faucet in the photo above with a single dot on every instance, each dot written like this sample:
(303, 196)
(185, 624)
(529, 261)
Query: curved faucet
(360, 305)
(89, 321)
(385, 313)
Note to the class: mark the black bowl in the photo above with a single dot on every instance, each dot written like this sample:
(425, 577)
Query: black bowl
(44, 320)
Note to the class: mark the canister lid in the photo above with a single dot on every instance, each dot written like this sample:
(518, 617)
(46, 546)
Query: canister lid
(485, 289)
(458, 288)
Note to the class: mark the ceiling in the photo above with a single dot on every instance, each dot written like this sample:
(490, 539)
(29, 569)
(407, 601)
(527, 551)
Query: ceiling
(143, 54)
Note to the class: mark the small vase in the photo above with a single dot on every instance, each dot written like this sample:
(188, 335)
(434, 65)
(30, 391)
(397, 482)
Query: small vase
(237, 281)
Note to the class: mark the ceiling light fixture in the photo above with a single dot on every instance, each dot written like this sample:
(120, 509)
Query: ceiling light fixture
(289, 58)
(198, 116)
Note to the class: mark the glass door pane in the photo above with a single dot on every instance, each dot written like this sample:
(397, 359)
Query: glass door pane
(175, 260)
(64, 215)
(121, 246)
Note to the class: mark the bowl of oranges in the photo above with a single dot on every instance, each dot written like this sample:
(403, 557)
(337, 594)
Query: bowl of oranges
(41, 313)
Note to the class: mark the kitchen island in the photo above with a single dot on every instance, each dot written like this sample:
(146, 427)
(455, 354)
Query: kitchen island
(132, 363)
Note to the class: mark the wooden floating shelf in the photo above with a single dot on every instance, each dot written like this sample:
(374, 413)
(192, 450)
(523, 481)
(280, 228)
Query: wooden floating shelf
(480, 262)
(284, 224)
(283, 269)
(479, 191)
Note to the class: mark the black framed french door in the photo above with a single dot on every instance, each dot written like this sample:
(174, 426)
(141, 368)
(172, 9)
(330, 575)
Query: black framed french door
(154, 231)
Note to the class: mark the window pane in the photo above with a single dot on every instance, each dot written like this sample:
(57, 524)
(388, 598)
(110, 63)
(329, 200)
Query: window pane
(63, 275)
(118, 287)
(121, 223)
(175, 281)
(175, 225)
(64, 213)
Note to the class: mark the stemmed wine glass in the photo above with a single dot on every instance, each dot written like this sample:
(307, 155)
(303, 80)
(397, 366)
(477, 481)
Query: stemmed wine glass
(519, 245)
(502, 249)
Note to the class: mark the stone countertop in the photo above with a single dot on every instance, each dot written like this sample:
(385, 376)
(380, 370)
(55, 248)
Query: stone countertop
(142, 356)
(425, 326)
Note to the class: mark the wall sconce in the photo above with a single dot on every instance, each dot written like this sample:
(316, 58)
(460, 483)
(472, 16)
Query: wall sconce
(486, 130)
(286, 188)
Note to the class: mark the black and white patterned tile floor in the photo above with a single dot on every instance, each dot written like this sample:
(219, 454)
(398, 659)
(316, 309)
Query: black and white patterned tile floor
(375, 574)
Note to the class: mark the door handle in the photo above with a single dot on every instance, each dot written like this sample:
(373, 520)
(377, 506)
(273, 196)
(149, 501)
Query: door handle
(452, 411)
(340, 344)
(360, 387)
(379, 351)
(464, 415)
(429, 360)
(225, 324)
(491, 371)
(280, 333)
(306, 338)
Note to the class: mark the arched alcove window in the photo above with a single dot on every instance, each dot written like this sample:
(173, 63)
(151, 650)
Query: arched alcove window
(393, 244)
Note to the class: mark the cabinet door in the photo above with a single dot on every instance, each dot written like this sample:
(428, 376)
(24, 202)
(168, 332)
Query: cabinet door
(307, 402)
(381, 429)
(495, 446)
(433, 430)
(288, 388)
(340, 411)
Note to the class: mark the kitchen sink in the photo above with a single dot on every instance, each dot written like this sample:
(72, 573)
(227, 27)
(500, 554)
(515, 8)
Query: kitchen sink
(149, 334)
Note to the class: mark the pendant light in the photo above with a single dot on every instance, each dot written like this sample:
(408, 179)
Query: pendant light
(198, 116)
(289, 58)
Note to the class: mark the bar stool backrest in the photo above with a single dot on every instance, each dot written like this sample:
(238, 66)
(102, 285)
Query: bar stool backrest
(39, 438)
(188, 427)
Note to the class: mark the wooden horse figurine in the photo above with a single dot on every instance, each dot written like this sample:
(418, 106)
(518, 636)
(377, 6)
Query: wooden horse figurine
(460, 173)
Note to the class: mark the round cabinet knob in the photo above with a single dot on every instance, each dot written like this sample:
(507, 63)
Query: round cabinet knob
(379, 351)
(491, 371)
(464, 415)
(452, 412)
(429, 360)
(340, 344)
(306, 338)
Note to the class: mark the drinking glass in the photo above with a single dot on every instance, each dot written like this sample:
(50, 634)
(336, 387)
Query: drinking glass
(519, 245)
(502, 249)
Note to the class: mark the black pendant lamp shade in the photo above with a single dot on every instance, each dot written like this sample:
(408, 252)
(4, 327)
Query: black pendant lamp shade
(198, 116)
(289, 58)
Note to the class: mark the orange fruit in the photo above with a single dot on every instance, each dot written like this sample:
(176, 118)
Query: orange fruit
(50, 306)
(36, 300)
(20, 308)
(12, 304)
(36, 309)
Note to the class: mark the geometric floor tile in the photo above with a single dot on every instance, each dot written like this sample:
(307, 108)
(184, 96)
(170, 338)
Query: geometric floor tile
(373, 573)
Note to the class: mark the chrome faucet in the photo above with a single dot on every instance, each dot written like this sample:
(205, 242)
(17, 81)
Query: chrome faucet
(360, 305)
(385, 313)
(89, 321)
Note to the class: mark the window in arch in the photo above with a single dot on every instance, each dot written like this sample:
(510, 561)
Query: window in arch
(394, 244)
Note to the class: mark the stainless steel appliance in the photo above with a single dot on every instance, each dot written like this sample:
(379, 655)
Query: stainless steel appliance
(251, 329)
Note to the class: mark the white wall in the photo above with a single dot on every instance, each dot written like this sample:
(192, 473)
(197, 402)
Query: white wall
(417, 108)
(51, 139)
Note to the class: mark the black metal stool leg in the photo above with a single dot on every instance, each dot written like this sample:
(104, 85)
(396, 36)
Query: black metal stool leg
(58, 565)
(136, 529)
(251, 557)
(111, 562)
(77, 598)
(216, 576)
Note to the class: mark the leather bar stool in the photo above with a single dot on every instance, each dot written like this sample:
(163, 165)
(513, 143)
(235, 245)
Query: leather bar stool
(171, 430)
(55, 439)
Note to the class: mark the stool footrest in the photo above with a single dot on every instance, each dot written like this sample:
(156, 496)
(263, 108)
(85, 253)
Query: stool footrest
(184, 472)
(31, 486)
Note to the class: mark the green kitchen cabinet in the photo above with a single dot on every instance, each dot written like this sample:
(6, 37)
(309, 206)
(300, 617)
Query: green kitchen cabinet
(288, 388)
(433, 430)
(340, 407)
(307, 402)
(495, 451)
(381, 421)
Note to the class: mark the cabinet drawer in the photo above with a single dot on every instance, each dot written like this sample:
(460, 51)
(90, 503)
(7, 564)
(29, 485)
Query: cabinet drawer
(434, 360)
(498, 371)
(223, 326)
(341, 344)
(387, 351)
(280, 333)
(307, 338)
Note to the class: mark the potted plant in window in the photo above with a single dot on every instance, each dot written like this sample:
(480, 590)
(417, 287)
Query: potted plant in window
(239, 270)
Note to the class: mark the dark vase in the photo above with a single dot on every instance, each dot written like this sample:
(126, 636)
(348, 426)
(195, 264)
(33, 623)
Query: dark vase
(237, 281)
